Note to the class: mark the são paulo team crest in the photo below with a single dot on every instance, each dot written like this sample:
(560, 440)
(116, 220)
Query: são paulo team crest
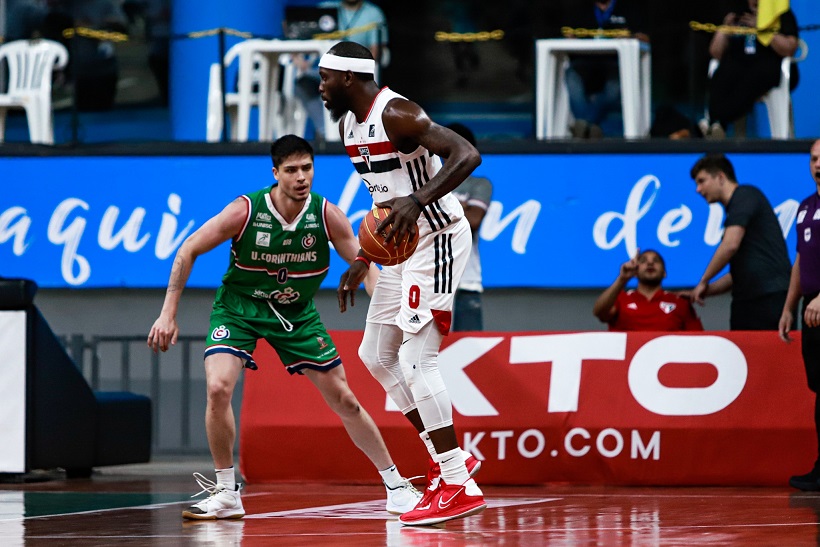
(220, 333)
(667, 307)
(364, 152)
(308, 241)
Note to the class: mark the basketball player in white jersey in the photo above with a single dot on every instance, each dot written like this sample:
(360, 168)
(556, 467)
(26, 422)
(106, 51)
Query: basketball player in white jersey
(396, 148)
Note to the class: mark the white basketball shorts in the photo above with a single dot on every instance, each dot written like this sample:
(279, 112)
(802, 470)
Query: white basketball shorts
(423, 288)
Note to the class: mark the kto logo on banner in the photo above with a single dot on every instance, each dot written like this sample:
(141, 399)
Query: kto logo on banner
(567, 353)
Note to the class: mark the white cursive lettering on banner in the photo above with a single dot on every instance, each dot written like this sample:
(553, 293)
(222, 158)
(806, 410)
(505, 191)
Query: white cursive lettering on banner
(75, 268)
(639, 202)
(70, 237)
(128, 235)
(14, 223)
(167, 242)
(491, 227)
(636, 209)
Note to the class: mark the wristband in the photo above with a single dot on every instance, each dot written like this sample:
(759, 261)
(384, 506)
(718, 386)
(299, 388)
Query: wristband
(416, 201)
(362, 259)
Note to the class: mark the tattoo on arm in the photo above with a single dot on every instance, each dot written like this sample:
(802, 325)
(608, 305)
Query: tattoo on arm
(176, 282)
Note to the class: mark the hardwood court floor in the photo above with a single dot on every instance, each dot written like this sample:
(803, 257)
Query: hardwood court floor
(132, 507)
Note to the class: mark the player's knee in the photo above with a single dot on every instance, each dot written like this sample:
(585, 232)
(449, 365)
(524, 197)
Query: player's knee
(345, 404)
(219, 391)
(377, 365)
(368, 357)
(410, 368)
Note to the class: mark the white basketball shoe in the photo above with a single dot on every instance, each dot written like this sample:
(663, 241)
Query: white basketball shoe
(221, 503)
(402, 498)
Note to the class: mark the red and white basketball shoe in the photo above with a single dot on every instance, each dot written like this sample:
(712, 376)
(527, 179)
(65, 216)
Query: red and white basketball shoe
(448, 502)
(472, 463)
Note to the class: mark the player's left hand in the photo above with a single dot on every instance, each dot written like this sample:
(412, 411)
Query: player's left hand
(811, 317)
(163, 334)
(349, 283)
(403, 219)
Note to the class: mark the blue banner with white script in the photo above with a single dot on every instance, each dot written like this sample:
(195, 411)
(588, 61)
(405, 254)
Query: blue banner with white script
(556, 221)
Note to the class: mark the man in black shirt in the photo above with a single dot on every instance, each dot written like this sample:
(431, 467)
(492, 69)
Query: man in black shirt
(752, 246)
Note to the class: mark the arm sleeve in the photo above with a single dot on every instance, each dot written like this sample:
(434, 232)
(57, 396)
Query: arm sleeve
(742, 207)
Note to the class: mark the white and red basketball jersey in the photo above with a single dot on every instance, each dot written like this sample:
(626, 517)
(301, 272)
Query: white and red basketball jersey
(388, 173)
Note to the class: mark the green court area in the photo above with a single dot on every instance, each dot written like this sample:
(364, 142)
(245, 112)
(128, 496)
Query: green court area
(39, 504)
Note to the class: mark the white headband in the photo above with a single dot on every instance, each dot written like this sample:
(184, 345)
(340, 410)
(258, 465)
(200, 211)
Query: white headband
(336, 62)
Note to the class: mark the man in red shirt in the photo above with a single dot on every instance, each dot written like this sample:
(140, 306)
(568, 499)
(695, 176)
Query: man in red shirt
(648, 307)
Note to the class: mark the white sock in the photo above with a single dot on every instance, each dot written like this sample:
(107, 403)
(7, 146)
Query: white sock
(390, 476)
(453, 470)
(472, 488)
(226, 478)
(429, 444)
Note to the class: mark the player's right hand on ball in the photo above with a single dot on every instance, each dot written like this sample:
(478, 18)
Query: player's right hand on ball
(402, 220)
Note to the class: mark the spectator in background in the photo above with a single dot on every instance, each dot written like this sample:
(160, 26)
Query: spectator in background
(94, 60)
(306, 90)
(593, 80)
(158, 34)
(352, 14)
(749, 67)
(648, 307)
(355, 14)
(805, 284)
(461, 19)
(474, 194)
(752, 246)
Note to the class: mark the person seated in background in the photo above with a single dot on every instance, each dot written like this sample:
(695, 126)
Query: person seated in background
(356, 14)
(749, 66)
(648, 307)
(353, 14)
(475, 195)
(306, 90)
(592, 80)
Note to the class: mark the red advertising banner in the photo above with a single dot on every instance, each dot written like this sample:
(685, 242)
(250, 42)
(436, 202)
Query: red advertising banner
(709, 408)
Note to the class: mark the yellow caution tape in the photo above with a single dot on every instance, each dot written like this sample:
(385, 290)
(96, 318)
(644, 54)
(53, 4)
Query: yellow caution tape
(595, 33)
(483, 36)
(727, 29)
(106, 35)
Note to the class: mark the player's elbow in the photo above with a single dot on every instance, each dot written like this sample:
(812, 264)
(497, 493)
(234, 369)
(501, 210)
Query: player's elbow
(731, 247)
(474, 158)
(602, 313)
(188, 250)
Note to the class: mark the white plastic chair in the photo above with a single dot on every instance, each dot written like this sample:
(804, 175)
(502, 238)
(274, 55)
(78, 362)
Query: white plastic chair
(215, 116)
(30, 64)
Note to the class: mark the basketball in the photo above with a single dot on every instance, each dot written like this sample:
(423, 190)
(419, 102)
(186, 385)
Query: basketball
(373, 245)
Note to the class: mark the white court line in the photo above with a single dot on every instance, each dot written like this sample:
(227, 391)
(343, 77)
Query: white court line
(109, 509)
(473, 530)
(698, 496)
(374, 510)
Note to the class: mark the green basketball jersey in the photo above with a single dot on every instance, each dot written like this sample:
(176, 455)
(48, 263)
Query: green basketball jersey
(273, 260)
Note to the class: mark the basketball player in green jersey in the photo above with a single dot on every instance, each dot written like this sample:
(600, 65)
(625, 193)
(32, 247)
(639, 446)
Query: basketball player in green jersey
(279, 256)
